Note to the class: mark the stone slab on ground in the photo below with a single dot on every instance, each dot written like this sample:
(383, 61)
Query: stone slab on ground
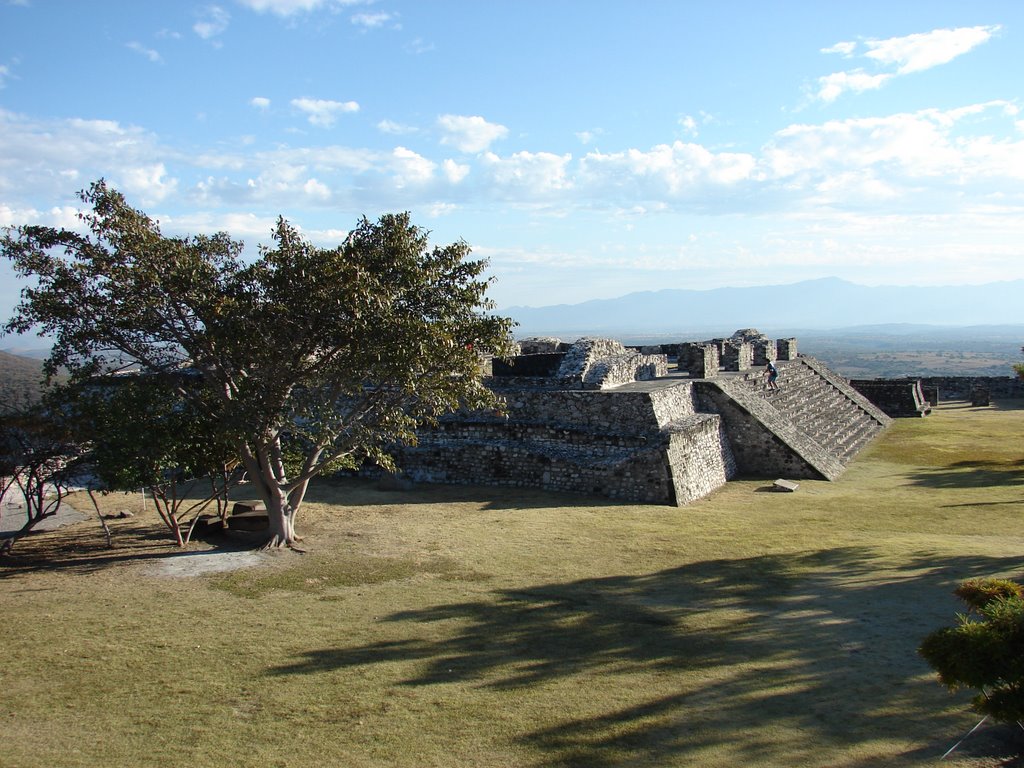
(188, 564)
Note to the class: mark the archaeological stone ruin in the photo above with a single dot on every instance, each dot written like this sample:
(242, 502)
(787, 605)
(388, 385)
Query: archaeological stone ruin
(661, 425)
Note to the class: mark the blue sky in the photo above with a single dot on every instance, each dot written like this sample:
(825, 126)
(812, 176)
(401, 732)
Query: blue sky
(587, 149)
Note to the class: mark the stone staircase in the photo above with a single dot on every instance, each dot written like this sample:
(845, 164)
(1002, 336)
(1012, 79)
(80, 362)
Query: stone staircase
(816, 416)
(826, 408)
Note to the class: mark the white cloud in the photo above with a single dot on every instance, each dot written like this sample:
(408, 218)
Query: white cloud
(418, 46)
(411, 168)
(455, 172)
(5, 73)
(323, 112)
(146, 182)
(535, 173)
(374, 20)
(688, 124)
(44, 158)
(843, 49)
(291, 7)
(139, 48)
(910, 151)
(61, 217)
(213, 21)
(470, 134)
(831, 87)
(679, 170)
(238, 225)
(317, 189)
(391, 127)
(260, 102)
(931, 160)
(438, 210)
(918, 52)
(905, 55)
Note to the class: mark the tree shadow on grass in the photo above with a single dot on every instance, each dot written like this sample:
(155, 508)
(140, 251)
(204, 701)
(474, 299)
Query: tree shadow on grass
(815, 643)
(82, 549)
(363, 492)
(970, 474)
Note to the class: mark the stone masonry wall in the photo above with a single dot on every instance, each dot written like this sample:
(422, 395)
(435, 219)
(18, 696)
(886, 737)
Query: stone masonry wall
(700, 457)
(961, 387)
(603, 412)
(758, 449)
(671, 404)
(604, 363)
(737, 356)
(699, 359)
(650, 447)
(636, 476)
(786, 349)
(899, 398)
(764, 351)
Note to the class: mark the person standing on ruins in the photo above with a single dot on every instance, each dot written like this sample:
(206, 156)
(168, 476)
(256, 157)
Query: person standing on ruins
(772, 373)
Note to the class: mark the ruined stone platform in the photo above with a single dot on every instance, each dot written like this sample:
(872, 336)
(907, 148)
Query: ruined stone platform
(623, 424)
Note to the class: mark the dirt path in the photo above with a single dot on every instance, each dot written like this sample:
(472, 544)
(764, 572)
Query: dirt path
(12, 515)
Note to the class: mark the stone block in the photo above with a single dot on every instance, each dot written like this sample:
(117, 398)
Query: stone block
(243, 507)
(249, 521)
(765, 351)
(699, 360)
(738, 357)
(786, 349)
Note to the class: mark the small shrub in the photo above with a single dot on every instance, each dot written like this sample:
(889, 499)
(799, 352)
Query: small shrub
(977, 593)
(984, 651)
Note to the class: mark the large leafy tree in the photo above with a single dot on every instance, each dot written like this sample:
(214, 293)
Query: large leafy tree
(302, 360)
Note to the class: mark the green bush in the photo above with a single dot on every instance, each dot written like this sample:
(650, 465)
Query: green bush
(977, 593)
(985, 650)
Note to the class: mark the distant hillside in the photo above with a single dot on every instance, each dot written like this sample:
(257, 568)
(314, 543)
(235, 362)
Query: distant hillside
(21, 380)
(813, 304)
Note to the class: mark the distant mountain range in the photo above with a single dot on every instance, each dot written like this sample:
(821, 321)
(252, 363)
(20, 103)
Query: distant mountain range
(829, 303)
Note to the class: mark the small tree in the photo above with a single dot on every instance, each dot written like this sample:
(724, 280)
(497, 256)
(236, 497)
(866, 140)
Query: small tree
(1018, 368)
(139, 434)
(985, 650)
(304, 360)
(38, 456)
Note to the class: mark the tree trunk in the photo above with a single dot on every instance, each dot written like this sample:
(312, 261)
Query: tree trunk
(281, 520)
(269, 484)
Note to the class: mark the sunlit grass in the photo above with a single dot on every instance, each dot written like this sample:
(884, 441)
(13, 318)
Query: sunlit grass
(490, 627)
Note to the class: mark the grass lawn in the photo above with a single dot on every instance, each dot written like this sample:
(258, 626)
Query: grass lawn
(493, 627)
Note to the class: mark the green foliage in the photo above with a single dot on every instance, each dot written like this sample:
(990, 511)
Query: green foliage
(984, 651)
(303, 360)
(40, 457)
(977, 593)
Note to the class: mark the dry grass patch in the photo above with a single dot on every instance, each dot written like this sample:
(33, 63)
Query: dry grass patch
(492, 627)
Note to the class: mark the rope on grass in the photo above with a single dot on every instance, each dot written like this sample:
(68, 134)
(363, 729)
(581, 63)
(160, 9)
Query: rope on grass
(951, 749)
